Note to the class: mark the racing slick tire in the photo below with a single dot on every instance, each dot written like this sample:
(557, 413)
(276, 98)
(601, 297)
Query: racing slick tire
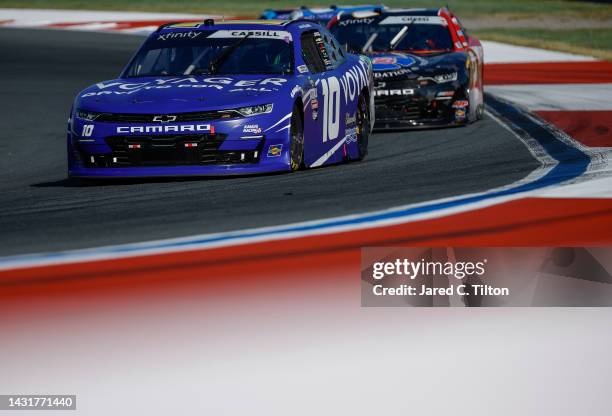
(480, 112)
(296, 146)
(476, 108)
(363, 127)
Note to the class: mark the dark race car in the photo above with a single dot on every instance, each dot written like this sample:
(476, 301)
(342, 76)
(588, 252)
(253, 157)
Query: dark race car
(428, 71)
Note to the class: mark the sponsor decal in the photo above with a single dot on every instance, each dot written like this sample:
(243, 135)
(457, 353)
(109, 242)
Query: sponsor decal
(164, 128)
(251, 128)
(387, 60)
(354, 80)
(394, 92)
(391, 74)
(351, 135)
(418, 20)
(179, 35)
(311, 97)
(304, 26)
(251, 89)
(275, 150)
(321, 45)
(393, 62)
(350, 119)
(459, 114)
(347, 22)
(302, 69)
(164, 118)
(218, 83)
(297, 89)
(461, 104)
(253, 34)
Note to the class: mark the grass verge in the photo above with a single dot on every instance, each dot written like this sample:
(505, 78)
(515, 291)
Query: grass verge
(593, 42)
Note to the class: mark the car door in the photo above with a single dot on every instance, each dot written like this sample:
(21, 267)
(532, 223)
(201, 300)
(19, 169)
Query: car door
(326, 105)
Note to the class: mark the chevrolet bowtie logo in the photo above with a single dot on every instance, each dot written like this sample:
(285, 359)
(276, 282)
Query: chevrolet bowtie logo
(164, 118)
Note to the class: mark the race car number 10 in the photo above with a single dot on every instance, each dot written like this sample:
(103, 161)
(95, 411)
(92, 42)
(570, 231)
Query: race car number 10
(87, 130)
(331, 108)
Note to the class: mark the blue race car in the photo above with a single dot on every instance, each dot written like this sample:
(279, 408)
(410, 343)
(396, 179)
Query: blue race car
(318, 15)
(236, 97)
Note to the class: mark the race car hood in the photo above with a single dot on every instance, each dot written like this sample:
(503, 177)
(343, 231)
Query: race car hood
(404, 64)
(182, 94)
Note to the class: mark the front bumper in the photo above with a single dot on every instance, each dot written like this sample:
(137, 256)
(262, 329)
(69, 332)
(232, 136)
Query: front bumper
(406, 105)
(226, 149)
(173, 171)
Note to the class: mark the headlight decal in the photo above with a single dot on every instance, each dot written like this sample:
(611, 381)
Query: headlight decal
(87, 115)
(255, 109)
(442, 78)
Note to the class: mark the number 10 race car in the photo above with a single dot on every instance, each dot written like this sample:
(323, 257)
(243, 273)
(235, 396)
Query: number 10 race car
(237, 97)
(427, 69)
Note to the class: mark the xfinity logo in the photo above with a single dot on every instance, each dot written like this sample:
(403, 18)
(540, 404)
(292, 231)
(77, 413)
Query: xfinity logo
(164, 118)
(205, 128)
(179, 35)
(386, 93)
(347, 22)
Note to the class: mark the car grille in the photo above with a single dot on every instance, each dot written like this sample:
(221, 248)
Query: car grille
(398, 107)
(393, 84)
(160, 118)
(179, 150)
(392, 109)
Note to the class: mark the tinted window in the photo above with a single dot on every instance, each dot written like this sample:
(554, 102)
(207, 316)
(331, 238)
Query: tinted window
(193, 54)
(417, 37)
(334, 50)
(311, 51)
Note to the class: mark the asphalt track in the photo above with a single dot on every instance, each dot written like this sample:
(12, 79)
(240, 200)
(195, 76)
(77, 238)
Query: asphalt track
(42, 70)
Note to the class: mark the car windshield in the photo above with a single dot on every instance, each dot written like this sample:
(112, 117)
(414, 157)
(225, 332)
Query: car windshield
(214, 52)
(410, 36)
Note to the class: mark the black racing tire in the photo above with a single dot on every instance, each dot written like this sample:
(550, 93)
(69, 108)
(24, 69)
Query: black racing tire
(469, 118)
(296, 145)
(363, 127)
(480, 112)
